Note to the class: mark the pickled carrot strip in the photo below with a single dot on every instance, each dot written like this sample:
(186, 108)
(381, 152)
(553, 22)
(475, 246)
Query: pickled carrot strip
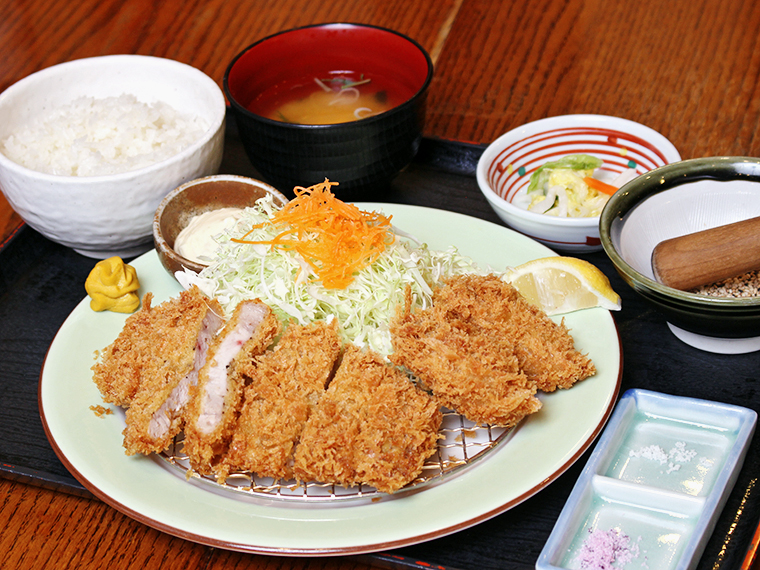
(336, 239)
(600, 186)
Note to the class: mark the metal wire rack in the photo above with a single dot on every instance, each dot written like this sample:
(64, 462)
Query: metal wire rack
(462, 442)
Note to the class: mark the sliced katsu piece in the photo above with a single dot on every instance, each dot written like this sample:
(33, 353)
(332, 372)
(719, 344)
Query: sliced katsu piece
(544, 349)
(156, 414)
(464, 362)
(121, 364)
(372, 426)
(283, 388)
(156, 346)
(214, 404)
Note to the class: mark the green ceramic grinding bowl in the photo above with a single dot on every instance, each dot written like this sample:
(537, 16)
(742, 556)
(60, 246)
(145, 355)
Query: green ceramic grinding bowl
(677, 199)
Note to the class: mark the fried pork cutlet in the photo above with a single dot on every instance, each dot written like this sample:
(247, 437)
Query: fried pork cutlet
(214, 405)
(371, 426)
(156, 413)
(284, 387)
(484, 351)
(155, 346)
(120, 366)
(544, 349)
(464, 363)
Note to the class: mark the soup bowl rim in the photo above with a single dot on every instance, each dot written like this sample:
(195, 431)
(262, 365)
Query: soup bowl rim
(332, 126)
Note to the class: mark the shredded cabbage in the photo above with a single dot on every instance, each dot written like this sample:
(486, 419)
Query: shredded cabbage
(285, 282)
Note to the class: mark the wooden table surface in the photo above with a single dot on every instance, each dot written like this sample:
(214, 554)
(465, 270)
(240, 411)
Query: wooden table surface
(688, 68)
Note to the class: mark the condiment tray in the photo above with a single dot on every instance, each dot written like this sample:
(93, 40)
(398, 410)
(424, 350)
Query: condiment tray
(654, 486)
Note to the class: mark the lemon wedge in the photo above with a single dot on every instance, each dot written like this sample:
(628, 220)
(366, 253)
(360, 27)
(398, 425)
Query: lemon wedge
(563, 284)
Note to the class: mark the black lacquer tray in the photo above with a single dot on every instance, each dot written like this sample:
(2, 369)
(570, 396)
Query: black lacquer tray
(41, 283)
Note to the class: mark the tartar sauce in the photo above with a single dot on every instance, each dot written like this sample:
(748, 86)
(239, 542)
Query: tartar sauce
(196, 241)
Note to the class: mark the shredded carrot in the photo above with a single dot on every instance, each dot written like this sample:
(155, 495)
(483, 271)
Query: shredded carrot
(600, 186)
(336, 239)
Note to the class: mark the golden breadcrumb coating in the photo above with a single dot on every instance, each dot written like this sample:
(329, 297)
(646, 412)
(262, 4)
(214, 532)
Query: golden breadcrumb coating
(156, 345)
(211, 414)
(120, 365)
(464, 368)
(484, 351)
(481, 350)
(155, 415)
(372, 426)
(544, 349)
(284, 387)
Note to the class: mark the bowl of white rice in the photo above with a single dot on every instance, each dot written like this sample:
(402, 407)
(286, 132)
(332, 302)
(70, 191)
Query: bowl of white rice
(89, 148)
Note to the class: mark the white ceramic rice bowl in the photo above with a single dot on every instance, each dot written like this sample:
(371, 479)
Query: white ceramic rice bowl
(505, 167)
(101, 216)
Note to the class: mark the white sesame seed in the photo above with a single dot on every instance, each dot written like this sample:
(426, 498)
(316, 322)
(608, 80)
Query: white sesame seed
(747, 285)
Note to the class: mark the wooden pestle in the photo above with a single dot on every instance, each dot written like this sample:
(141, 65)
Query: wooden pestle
(704, 257)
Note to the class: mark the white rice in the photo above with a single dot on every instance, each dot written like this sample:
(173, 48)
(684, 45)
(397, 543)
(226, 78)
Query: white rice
(94, 137)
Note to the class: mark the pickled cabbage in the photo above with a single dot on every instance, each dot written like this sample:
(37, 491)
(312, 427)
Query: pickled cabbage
(557, 188)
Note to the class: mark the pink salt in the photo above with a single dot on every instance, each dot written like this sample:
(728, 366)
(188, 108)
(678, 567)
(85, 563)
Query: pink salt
(603, 549)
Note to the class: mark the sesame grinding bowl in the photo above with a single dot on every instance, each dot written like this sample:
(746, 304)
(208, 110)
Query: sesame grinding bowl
(676, 200)
(505, 167)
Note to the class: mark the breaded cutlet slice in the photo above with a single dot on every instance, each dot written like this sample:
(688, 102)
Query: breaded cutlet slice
(156, 413)
(284, 387)
(211, 414)
(372, 426)
(544, 349)
(156, 345)
(464, 362)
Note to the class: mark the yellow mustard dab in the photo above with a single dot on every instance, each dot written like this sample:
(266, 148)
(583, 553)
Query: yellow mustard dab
(112, 286)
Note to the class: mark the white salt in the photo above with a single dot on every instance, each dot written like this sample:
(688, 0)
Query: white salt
(680, 454)
(674, 458)
(652, 453)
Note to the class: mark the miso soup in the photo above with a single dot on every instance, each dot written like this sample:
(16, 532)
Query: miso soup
(330, 98)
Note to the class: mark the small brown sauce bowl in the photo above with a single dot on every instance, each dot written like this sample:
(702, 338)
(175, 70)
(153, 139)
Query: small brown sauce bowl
(198, 197)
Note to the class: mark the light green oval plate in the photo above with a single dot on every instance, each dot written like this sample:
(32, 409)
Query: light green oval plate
(145, 488)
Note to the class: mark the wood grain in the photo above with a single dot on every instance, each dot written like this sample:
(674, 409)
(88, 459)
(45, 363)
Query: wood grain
(708, 256)
(687, 68)
(9, 220)
(51, 530)
(207, 35)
